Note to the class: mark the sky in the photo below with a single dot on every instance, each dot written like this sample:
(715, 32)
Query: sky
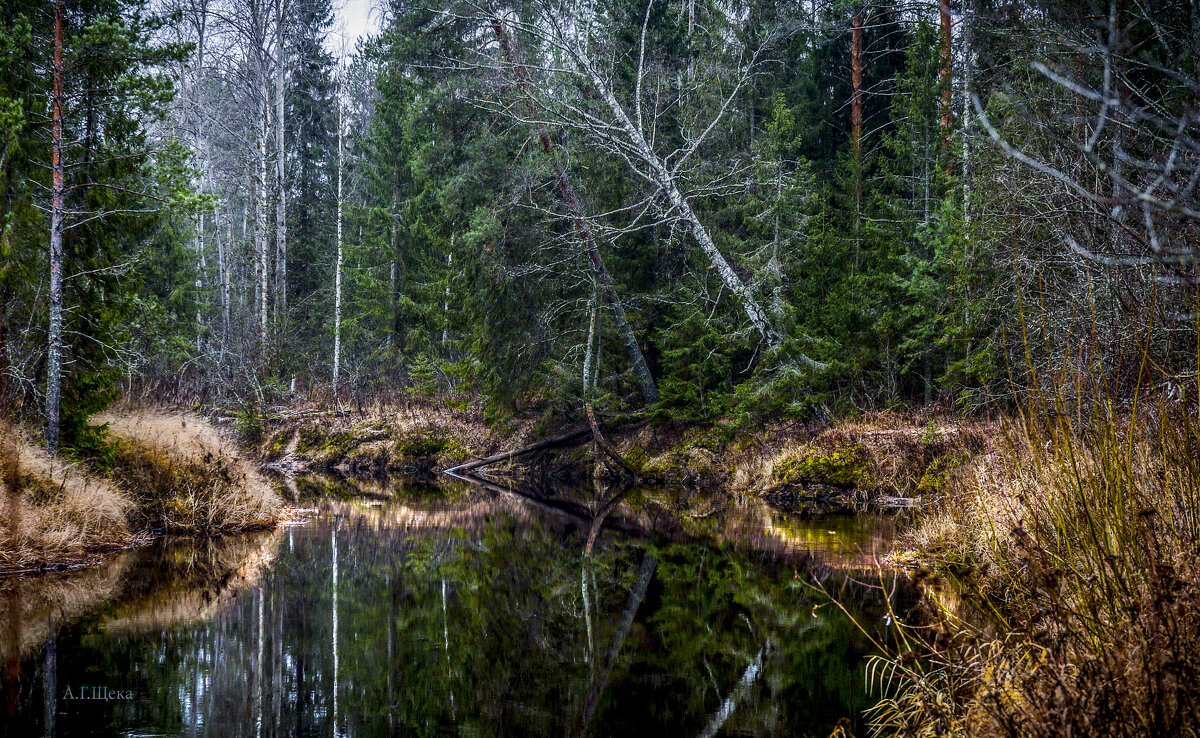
(358, 19)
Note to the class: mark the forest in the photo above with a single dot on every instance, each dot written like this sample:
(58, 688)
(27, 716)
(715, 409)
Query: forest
(930, 267)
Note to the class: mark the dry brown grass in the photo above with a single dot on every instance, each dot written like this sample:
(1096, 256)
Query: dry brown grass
(66, 512)
(1076, 543)
(171, 473)
(185, 476)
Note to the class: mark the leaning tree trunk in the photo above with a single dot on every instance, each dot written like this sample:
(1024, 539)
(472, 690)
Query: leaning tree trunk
(571, 199)
(55, 337)
(665, 178)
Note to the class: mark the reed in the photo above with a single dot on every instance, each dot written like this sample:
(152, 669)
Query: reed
(1074, 543)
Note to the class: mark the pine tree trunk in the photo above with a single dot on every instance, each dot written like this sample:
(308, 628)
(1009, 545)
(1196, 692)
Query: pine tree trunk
(947, 62)
(55, 335)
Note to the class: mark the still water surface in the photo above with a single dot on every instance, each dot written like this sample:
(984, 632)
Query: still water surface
(453, 610)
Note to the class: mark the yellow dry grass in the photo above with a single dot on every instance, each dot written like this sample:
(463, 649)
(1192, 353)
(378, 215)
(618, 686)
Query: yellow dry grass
(186, 476)
(65, 512)
(172, 472)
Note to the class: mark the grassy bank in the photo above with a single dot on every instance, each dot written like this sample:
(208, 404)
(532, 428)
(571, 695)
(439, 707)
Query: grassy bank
(792, 466)
(161, 473)
(1075, 542)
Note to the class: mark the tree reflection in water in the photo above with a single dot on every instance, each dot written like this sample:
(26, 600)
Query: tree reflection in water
(466, 612)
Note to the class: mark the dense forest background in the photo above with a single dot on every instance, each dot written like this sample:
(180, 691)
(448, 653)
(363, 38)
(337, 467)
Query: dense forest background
(716, 209)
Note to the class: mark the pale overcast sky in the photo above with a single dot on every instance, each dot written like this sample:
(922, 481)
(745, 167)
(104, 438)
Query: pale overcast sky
(357, 18)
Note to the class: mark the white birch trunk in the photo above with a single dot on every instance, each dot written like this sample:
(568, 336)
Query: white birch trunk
(337, 278)
(260, 216)
(665, 179)
(223, 273)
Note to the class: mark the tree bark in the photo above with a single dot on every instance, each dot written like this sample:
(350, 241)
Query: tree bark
(947, 67)
(9, 458)
(503, 455)
(260, 215)
(666, 180)
(856, 108)
(55, 347)
(610, 451)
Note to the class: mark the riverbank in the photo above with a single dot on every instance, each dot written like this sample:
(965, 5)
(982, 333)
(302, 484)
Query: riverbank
(797, 467)
(1076, 538)
(162, 473)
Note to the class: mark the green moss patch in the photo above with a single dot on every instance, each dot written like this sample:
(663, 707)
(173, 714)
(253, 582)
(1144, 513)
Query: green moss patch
(845, 469)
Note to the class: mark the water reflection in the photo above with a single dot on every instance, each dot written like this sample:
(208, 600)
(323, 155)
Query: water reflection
(448, 610)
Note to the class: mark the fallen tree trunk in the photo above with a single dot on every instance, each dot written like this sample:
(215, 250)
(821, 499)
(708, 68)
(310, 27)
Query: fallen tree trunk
(559, 440)
(610, 451)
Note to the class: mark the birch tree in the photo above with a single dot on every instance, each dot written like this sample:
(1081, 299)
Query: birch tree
(57, 215)
(622, 131)
(337, 280)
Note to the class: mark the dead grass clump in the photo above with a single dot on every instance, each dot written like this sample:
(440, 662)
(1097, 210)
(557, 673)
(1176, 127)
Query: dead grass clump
(184, 477)
(65, 512)
(1079, 540)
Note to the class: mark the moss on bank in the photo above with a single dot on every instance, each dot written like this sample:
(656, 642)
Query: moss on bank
(786, 464)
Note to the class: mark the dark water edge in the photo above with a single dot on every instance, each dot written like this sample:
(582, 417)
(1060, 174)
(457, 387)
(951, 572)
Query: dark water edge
(446, 609)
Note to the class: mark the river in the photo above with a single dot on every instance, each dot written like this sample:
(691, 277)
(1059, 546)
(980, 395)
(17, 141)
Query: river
(448, 609)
